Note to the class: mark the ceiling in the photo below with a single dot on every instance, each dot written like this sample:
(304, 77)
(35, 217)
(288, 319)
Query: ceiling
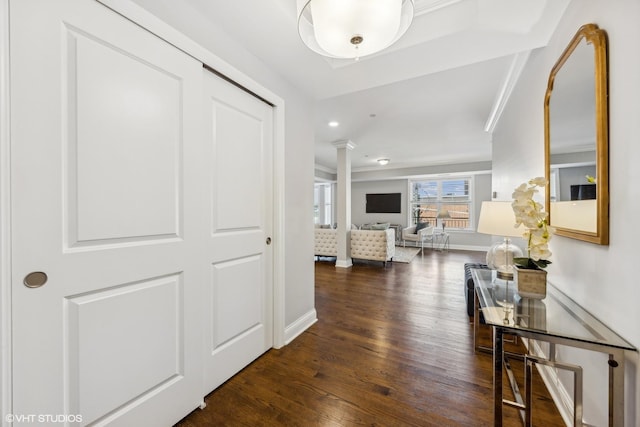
(426, 100)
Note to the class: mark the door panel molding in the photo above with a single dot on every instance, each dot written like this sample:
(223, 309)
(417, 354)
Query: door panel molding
(121, 210)
(96, 323)
(237, 304)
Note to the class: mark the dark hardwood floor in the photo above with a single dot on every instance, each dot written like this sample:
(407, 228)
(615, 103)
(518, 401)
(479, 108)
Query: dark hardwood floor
(392, 347)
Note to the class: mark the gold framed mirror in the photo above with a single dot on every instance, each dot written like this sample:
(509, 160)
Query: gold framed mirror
(576, 139)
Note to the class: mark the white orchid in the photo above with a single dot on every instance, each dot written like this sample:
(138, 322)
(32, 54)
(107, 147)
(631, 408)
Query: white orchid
(531, 214)
(538, 181)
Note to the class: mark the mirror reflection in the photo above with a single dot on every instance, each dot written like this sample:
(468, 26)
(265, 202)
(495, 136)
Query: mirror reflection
(576, 133)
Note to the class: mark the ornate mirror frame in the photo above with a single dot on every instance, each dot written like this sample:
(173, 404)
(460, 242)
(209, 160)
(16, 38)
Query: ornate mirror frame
(597, 38)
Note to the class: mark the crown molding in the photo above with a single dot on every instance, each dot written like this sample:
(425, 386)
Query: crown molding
(324, 169)
(508, 84)
(344, 143)
(422, 7)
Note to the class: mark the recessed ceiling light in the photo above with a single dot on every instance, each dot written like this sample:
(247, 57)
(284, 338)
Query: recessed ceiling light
(383, 162)
(334, 124)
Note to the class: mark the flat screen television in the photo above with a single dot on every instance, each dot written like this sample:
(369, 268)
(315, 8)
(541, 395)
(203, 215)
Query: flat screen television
(583, 192)
(384, 203)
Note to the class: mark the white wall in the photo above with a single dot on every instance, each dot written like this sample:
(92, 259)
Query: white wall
(603, 279)
(359, 191)
(379, 174)
(457, 239)
(299, 151)
(482, 192)
(299, 268)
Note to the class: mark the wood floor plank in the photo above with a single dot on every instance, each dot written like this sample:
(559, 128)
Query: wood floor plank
(392, 347)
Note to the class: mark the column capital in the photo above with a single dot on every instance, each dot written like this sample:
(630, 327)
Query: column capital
(344, 143)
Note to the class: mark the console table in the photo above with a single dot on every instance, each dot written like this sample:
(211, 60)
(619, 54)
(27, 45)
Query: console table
(557, 320)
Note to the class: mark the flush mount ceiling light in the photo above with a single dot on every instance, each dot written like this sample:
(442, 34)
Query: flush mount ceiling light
(383, 162)
(352, 28)
(333, 124)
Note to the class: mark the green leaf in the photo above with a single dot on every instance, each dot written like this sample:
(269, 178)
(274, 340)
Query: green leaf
(541, 263)
(521, 262)
(531, 264)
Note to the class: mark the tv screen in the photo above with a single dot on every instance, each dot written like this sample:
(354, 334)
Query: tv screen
(383, 203)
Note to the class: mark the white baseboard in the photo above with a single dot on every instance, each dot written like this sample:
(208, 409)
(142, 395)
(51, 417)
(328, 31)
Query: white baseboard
(344, 263)
(299, 326)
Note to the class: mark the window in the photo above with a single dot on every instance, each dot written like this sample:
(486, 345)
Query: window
(430, 197)
(322, 197)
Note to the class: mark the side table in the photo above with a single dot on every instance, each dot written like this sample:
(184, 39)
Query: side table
(398, 228)
(440, 240)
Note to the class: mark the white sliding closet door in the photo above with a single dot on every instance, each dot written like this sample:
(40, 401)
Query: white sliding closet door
(108, 202)
(238, 319)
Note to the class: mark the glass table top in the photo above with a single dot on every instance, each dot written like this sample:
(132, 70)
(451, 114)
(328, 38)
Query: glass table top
(556, 315)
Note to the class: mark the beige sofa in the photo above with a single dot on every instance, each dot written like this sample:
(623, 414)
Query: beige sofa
(325, 242)
(376, 245)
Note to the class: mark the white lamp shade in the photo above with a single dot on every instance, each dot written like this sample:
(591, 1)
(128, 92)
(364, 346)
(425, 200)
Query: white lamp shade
(444, 214)
(328, 26)
(498, 219)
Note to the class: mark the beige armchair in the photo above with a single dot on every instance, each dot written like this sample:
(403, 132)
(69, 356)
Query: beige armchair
(376, 245)
(423, 235)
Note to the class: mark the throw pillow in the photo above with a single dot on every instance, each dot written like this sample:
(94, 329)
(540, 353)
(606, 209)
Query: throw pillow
(382, 226)
(421, 225)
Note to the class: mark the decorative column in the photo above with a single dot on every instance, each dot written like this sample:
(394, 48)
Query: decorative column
(343, 205)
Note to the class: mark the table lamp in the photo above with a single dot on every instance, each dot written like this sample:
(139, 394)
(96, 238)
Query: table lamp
(442, 215)
(498, 219)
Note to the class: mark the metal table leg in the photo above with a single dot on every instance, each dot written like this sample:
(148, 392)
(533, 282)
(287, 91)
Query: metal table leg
(529, 360)
(616, 388)
(476, 321)
(498, 347)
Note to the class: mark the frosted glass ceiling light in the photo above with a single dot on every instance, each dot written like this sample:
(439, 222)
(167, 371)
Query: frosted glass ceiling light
(383, 162)
(352, 28)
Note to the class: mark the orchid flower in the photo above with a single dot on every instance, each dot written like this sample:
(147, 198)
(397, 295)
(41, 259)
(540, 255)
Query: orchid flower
(531, 214)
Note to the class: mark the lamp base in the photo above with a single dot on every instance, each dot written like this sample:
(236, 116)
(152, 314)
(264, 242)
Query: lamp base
(504, 275)
(500, 257)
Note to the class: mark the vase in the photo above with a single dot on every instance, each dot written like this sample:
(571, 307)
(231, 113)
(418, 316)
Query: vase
(530, 283)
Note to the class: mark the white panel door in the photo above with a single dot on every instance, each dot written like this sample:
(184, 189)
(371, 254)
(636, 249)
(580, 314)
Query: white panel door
(106, 179)
(238, 303)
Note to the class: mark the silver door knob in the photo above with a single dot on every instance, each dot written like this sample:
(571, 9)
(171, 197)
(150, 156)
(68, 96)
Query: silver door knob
(35, 279)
